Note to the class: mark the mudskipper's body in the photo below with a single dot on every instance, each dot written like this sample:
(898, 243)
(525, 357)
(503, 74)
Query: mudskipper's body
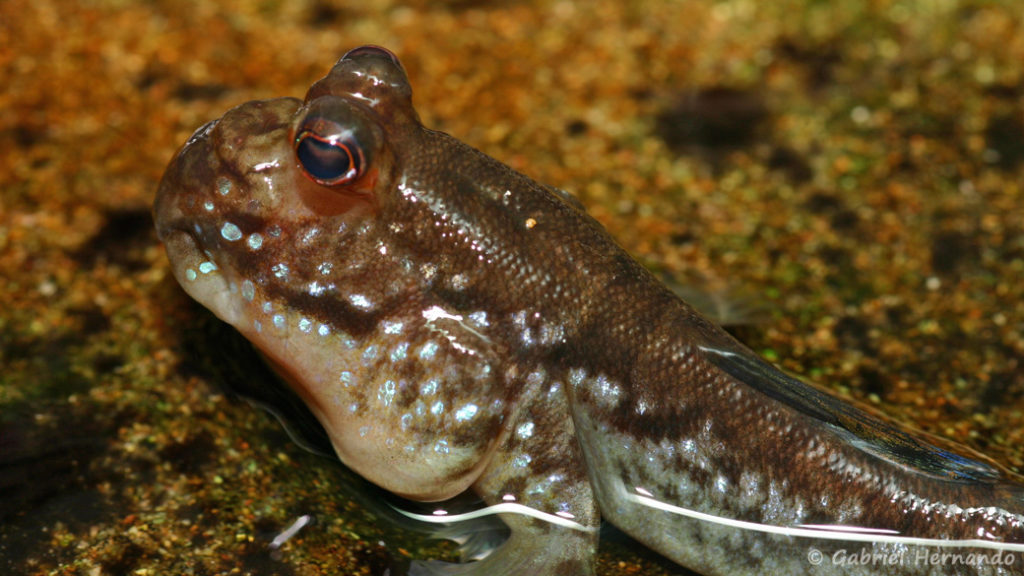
(455, 325)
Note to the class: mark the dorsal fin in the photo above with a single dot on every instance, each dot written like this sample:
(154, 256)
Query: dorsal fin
(865, 431)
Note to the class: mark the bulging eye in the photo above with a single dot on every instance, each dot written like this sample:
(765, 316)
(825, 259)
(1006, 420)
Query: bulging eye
(335, 142)
(372, 51)
(330, 160)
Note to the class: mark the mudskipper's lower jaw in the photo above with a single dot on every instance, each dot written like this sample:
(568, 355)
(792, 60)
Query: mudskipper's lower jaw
(207, 282)
(453, 324)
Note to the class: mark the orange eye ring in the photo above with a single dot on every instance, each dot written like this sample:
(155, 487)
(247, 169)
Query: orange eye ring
(330, 161)
(336, 142)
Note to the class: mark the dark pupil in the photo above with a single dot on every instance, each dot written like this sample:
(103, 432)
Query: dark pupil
(326, 161)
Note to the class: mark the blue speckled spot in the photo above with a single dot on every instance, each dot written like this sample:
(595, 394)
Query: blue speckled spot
(722, 484)
(230, 232)
(370, 354)
(207, 267)
(466, 412)
(525, 430)
(428, 350)
(441, 447)
(386, 393)
(255, 241)
(190, 274)
(544, 485)
(346, 340)
(306, 325)
(223, 186)
(248, 290)
(521, 461)
(437, 408)
(399, 352)
(360, 301)
(278, 320)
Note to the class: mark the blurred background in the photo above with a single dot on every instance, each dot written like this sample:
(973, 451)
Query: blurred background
(852, 171)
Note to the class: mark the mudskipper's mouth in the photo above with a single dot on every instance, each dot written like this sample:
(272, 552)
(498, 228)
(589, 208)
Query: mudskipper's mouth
(195, 265)
(191, 258)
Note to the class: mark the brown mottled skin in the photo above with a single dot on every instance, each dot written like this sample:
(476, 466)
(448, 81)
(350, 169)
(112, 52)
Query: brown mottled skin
(455, 325)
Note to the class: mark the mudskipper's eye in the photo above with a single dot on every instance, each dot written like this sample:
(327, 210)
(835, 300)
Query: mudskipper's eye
(335, 142)
(330, 160)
